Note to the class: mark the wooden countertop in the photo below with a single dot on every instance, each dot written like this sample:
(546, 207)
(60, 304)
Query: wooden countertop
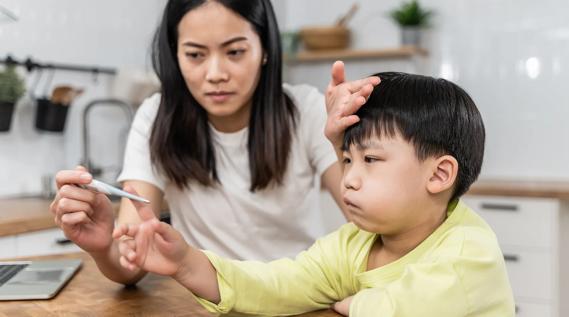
(89, 293)
(538, 189)
(21, 215)
(24, 215)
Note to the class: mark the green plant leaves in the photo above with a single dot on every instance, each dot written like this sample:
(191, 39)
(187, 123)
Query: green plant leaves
(411, 14)
(12, 87)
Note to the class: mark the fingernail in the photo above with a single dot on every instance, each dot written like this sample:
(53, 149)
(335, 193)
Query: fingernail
(85, 176)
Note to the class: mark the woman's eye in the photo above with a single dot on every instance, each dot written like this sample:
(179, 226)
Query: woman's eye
(193, 55)
(236, 52)
(346, 160)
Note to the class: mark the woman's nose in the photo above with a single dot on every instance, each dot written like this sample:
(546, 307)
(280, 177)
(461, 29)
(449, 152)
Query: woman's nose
(216, 71)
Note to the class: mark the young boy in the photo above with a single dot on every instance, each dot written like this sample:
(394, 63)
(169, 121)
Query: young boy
(412, 248)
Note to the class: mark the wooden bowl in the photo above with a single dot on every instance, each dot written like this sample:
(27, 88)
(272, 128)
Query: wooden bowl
(325, 37)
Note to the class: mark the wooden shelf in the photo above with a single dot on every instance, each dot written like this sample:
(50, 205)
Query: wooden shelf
(316, 56)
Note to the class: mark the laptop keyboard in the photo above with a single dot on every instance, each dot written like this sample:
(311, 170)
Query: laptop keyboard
(7, 271)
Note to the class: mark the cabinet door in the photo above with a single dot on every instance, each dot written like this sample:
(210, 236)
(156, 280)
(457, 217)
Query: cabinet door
(8, 247)
(518, 221)
(531, 273)
(525, 309)
(43, 242)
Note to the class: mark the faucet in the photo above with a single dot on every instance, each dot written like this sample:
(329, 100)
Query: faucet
(129, 114)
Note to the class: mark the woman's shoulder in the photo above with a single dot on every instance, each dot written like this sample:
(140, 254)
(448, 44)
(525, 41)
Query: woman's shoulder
(304, 96)
(150, 104)
(147, 111)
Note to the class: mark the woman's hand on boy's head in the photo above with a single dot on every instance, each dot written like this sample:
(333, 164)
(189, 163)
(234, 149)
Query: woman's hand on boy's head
(152, 245)
(343, 99)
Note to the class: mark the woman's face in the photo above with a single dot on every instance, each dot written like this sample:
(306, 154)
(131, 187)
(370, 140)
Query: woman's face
(220, 56)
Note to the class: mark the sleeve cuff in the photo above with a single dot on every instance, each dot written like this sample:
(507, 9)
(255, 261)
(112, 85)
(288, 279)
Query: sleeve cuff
(226, 293)
(359, 308)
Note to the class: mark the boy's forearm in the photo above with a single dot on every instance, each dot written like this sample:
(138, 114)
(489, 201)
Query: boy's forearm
(198, 275)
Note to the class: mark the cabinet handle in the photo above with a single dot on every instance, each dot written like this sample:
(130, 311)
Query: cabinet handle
(511, 258)
(62, 241)
(497, 206)
(517, 309)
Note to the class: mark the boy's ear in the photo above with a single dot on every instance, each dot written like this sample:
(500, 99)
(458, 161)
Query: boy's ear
(444, 173)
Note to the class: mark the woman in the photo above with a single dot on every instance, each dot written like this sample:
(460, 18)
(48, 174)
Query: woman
(233, 151)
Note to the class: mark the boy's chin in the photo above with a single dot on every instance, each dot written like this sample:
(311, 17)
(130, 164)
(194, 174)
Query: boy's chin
(362, 225)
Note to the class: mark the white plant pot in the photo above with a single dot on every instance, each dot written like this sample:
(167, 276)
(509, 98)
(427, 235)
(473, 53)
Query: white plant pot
(411, 36)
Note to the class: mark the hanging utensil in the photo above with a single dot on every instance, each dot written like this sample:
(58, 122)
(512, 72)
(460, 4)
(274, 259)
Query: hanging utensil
(343, 20)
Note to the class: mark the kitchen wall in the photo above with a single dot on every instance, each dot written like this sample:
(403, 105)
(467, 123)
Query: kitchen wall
(105, 33)
(511, 56)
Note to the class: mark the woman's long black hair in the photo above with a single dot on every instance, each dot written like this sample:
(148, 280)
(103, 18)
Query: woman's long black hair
(180, 142)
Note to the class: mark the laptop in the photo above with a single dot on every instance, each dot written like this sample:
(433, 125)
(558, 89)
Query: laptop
(35, 279)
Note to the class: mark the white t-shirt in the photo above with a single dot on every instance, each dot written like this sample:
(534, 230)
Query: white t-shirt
(229, 219)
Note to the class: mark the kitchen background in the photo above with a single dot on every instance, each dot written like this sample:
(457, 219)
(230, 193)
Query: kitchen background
(511, 56)
(111, 34)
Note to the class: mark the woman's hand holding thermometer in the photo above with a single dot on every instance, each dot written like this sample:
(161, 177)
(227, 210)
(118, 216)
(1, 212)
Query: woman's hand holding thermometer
(107, 189)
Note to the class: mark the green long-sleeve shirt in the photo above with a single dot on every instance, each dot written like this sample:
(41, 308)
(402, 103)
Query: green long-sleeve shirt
(457, 271)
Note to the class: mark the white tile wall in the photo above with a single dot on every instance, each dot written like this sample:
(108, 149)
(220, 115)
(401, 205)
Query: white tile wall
(511, 56)
(105, 33)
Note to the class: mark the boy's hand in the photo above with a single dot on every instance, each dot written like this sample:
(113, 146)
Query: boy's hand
(343, 307)
(343, 99)
(152, 245)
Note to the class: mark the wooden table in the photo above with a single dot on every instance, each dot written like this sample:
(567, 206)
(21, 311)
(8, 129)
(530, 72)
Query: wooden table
(89, 293)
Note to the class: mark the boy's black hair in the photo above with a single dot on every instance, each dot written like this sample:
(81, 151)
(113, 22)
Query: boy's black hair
(436, 116)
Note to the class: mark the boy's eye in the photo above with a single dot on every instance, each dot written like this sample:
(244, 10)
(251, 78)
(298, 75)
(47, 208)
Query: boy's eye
(370, 159)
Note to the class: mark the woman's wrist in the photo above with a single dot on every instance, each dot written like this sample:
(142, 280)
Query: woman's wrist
(103, 254)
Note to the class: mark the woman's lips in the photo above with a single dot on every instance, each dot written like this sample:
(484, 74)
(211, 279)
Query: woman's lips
(219, 96)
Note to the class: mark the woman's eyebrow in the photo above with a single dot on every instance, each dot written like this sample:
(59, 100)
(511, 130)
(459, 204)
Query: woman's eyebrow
(226, 43)
(233, 40)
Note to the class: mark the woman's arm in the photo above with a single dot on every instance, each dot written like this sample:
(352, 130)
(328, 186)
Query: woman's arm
(331, 180)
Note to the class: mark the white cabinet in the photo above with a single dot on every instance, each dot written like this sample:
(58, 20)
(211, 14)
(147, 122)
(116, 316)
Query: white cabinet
(42, 242)
(7, 247)
(532, 233)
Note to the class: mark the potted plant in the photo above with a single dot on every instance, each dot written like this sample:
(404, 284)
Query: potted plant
(11, 89)
(411, 17)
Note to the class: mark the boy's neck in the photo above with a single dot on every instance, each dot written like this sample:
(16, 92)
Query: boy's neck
(389, 248)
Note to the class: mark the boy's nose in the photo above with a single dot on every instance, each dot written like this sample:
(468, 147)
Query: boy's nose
(216, 71)
(351, 179)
